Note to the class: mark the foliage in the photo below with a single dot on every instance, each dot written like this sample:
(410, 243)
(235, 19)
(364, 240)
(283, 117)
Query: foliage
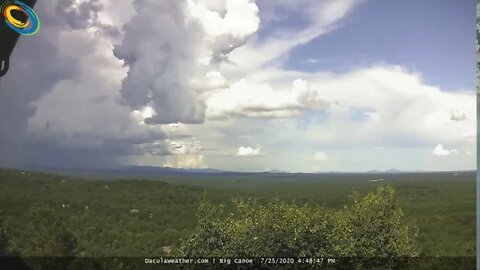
(372, 227)
(11, 258)
(95, 213)
(5, 248)
(49, 235)
(378, 226)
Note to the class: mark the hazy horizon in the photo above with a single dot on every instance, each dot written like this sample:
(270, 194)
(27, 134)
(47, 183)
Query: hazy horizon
(139, 170)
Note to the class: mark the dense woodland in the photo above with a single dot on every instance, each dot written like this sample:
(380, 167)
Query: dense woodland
(423, 214)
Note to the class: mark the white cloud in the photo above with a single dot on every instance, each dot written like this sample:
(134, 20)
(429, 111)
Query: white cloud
(173, 50)
(116, 13)
(397, 108)
(240, 18)
(320, 156)
(442, 152)
(323, 17)
(83, 110)
(247, 151)
(247, 99)
(144, 113)
(76, 105)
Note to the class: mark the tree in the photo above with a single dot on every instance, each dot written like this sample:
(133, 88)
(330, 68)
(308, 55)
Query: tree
(49, 234)
(7, 250)
(378, 228)
(380, 237)
(4, 242)
(50, 238)
(373, 226)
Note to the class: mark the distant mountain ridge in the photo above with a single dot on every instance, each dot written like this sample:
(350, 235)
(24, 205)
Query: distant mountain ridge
(392, 170)
(129, 170)
(154, 171)
(140, 170)
(276, 171)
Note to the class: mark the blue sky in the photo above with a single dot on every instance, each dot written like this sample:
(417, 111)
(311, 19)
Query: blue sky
(434, 37)
(304, 85)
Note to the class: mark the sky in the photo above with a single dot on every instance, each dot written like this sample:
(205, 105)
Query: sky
(244, 85)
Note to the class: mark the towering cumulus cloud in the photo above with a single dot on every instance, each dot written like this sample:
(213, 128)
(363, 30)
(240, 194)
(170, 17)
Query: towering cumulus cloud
(102, 75)
(172, 50)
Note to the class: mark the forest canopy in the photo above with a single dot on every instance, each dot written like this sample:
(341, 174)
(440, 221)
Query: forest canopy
(373, 226)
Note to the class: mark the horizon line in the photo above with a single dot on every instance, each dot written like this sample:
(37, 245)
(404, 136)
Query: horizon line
(273, 171)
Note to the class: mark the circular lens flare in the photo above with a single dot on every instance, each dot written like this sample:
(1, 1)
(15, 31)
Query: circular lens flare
(27, 27)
